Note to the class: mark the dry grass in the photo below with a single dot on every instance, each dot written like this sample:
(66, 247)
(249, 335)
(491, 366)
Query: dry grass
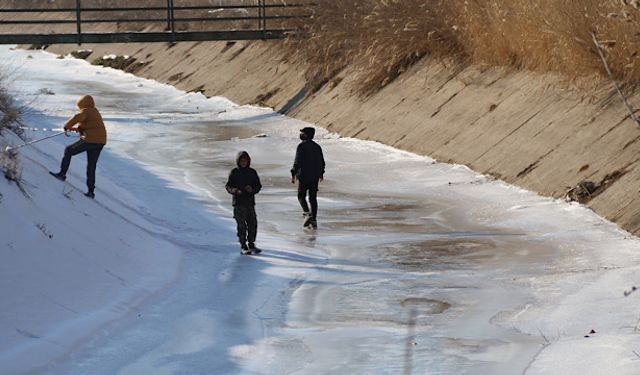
(380, 38)
(9, 118)
(9, 112)
(383, 38)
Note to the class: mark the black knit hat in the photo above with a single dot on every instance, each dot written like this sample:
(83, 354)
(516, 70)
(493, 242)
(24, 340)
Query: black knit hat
(310, 132)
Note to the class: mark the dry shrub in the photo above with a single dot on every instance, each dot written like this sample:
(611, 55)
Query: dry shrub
(10, 115)
(550, 35)
(9, 112)
(383, 38)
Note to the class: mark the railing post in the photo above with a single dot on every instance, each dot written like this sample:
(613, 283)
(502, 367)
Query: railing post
(264, 14)
(263, 19)
(79, 21)
(168, 15)
(172, 21)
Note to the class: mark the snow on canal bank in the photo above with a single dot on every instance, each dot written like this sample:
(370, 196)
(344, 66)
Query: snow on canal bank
(417, 266)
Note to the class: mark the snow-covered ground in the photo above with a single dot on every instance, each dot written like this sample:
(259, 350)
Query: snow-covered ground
(417, 267)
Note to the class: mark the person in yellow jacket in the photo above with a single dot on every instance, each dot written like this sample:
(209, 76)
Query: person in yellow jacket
(93, 137)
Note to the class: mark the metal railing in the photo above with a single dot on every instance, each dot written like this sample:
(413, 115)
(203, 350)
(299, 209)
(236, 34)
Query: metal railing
(256, 21)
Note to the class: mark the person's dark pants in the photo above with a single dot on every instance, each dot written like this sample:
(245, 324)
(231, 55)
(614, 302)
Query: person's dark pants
(93, 153)
(247, 221)
(312, 188)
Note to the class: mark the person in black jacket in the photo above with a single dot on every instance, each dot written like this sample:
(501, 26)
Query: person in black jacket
(244, 184)
(308, 169)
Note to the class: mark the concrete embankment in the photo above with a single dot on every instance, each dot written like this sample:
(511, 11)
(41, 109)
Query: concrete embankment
(526, 129)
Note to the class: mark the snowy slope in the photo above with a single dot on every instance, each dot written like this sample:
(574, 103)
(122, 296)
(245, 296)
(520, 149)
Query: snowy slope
(70, 264)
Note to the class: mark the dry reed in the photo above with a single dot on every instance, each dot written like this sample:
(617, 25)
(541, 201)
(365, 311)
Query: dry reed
(383, 38)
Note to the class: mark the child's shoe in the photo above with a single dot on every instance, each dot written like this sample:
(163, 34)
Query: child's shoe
(253, 248)
(244, 249)
(307, 219)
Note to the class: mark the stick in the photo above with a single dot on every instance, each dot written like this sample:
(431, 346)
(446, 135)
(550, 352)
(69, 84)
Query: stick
(41, 129)
(9, 149)
(606, 66)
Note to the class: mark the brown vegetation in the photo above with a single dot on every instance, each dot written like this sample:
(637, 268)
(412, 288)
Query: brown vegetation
(383, 38)
(9, 162)
(10, 115)
(9, 112)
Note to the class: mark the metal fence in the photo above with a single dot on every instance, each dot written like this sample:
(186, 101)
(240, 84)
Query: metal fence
(170, 22)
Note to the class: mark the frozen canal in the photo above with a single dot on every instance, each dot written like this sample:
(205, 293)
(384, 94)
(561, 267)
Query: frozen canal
(417, 267)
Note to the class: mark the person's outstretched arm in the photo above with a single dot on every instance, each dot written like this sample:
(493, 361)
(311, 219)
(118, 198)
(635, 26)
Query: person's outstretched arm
(77, 118)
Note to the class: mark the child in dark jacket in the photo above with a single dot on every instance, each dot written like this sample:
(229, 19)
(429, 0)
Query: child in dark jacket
(244, 184)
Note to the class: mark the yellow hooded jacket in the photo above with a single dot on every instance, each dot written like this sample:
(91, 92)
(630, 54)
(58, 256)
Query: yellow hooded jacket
(91, 126)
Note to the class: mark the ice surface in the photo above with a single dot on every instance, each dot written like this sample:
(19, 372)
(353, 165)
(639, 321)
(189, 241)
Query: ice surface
(417, 266)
